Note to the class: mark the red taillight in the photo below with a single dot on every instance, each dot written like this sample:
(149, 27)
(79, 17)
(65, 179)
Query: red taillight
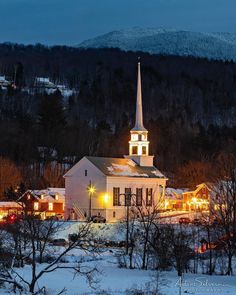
(12, 218)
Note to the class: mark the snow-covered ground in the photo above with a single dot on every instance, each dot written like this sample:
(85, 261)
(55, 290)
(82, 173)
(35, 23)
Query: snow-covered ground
(115, 231)
(114, 280)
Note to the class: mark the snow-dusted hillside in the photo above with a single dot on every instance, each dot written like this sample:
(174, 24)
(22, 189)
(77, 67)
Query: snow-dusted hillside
(169, 41)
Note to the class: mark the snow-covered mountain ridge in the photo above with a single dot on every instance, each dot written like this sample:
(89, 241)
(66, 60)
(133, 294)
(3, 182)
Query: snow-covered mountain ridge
(220, 46)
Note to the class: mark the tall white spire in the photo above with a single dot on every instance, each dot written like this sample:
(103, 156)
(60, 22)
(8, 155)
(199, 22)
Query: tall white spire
(139, 144)
(139, 108)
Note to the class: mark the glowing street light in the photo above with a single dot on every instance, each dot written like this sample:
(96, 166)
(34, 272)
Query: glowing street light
(106, 198)
(91, 190)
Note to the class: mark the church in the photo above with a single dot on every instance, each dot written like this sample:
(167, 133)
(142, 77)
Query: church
(100, 186)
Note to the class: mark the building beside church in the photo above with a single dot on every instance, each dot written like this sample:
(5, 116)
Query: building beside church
(106, 186)
(46, 203)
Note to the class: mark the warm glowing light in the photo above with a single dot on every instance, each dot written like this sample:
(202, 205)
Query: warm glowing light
(50, 206)
(194, 200)
(91, 189)
(36, 206)
(106, 198)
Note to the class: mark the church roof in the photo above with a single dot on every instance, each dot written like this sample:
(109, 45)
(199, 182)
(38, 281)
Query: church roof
(124, 167)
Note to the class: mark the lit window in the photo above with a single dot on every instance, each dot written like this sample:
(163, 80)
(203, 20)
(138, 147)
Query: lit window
(28, 197)
(42, 197)
(50, 206)
(36, 206)
(144, 150)
(134, 150)
(134, 137)
(56, 197)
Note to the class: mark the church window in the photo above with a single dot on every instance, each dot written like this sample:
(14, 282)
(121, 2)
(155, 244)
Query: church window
(149, 197)
(85, 172)
(140, 137)
(134, 150)
(144, 150)
(139, 196)
(116, 196)
(127, 196)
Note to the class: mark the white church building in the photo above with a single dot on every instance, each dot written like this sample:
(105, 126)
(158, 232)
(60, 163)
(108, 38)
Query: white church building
(106, 186)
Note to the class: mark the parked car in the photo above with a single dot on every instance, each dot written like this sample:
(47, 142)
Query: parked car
(98, 219)
(184, 220)
(197, 221)
(59, 242)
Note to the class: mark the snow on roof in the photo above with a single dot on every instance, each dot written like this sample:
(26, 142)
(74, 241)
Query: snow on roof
(124, 170)
(2, 79)
(49, 195)
(45, 82)
(173, 193)
(124, 167)
(42, 79)
(10, 205)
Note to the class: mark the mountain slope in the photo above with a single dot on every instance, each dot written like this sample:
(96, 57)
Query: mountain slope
(169, 42)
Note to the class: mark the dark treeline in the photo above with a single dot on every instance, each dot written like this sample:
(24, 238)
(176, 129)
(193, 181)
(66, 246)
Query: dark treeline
(189, 107)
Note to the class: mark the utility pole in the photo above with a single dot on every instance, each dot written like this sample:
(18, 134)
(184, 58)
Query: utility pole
(91, 190)
(127, 204)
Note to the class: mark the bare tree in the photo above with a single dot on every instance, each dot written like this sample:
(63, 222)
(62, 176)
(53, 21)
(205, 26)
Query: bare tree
(38, 236)
(9, 175)
(148, 216)
(223, 203)
(172, 245)
(53, 175)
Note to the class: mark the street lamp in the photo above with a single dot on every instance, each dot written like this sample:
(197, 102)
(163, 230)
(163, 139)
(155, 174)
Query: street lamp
(106, 198)
(91, 190)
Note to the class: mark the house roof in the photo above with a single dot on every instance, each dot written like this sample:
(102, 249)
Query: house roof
(173, 193)
(198, 188)
(10, 204)
(124, 168)
(48, 195)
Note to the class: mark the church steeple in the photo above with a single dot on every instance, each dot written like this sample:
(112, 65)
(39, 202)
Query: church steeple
(139, 108)
(139, 144)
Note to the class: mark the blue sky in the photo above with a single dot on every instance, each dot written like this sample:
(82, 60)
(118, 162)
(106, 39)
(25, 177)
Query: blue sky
(72, 21)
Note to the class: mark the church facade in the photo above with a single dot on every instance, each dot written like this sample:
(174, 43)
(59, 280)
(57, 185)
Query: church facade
(106, 186)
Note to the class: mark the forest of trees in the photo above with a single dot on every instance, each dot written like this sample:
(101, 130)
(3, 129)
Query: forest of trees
(189, 109)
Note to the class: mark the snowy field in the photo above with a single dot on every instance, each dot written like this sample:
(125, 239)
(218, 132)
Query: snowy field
(115, 280)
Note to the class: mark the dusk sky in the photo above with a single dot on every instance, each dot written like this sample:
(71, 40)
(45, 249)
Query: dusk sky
(72, 21)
